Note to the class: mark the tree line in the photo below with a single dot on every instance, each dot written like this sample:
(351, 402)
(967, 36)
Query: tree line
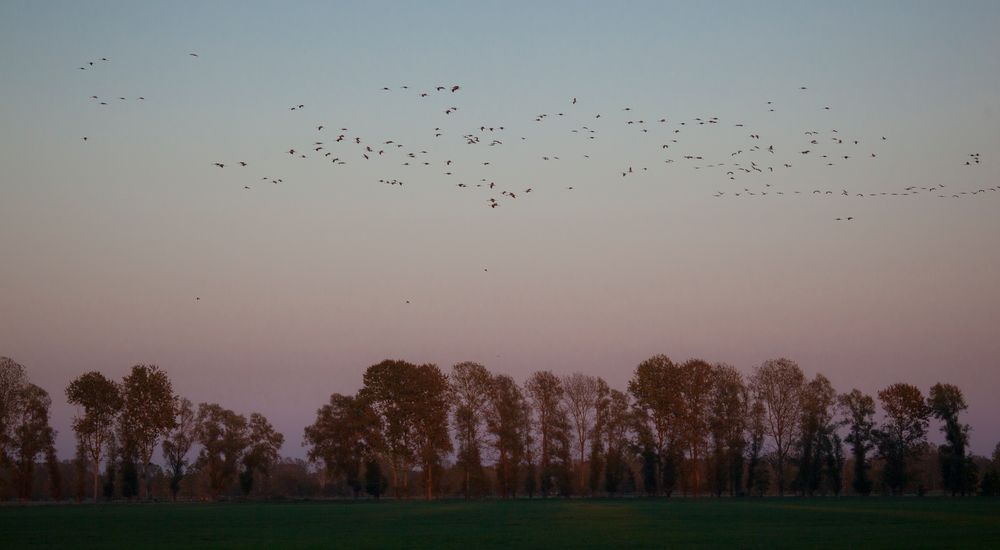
(690, 428)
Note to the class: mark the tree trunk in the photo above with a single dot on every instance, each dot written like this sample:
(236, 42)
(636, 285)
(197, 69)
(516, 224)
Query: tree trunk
(97, 480)
(429, 471)
(696, 472)
(405, 473)
(395, 478)
(781, 474)
(506, 474)
(144, 476)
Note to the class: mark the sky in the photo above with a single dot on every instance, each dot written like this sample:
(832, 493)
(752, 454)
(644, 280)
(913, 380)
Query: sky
(132, 247)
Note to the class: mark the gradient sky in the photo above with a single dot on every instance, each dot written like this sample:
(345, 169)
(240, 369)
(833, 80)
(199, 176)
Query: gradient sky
(106, 244)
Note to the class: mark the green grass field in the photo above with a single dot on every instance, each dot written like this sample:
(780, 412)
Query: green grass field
(638, 523)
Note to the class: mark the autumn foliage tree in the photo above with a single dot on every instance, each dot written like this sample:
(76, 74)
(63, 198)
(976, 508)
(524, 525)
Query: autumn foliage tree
(818, 443)
(990, 485)
(25, 434)
(777, 384)
(12, 380)
(507, 423)
(580, 394)
(552, 425)
(902, 434)
(412, 402)
(345, 436)
(859, 410)
(758, 476)
(431, 422)
(387, 387)
(687, 426)
(261, 453)
(726, 427)
(223, 437)
(32, 436)
(695, 380)
(653, 387)
(958, 472)
(613, 431)
(470, 386)
(177, 444)
(100, 401)
(147, 415)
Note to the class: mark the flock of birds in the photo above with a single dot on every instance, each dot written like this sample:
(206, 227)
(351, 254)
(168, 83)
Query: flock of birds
(664, 138)
(757, 157)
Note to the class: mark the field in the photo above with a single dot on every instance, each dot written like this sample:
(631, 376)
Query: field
(637, 523)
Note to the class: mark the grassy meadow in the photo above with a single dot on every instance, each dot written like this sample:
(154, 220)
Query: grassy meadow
(630, 523)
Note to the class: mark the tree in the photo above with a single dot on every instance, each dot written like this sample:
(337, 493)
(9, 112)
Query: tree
(760, 482)
(100, 400)
(816, 435)
(345, 436)
(223, 436)
(832, 447)
(431, 409)
(55, 475)
(375, 482)
(530, 463)
(387, 387)
(727, 423)
(127, 463)
(32, 436)
(507, 423)
(412, 403)
(860, 419)
(597, 462)
(261, 454)
(177, 444)
(615, 425)
(777, 384)
(902, 434)
(990, 486)
(580, 394)
(654, 388)
(147, 415)
(470, 384)
(12, 380)
(80, 469)
(695, 380)
(546, 393)
(957, 470)
(111, 456)
(758, 476)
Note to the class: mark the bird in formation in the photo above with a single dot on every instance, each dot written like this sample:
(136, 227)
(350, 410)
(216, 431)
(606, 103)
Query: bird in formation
(756, 161)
